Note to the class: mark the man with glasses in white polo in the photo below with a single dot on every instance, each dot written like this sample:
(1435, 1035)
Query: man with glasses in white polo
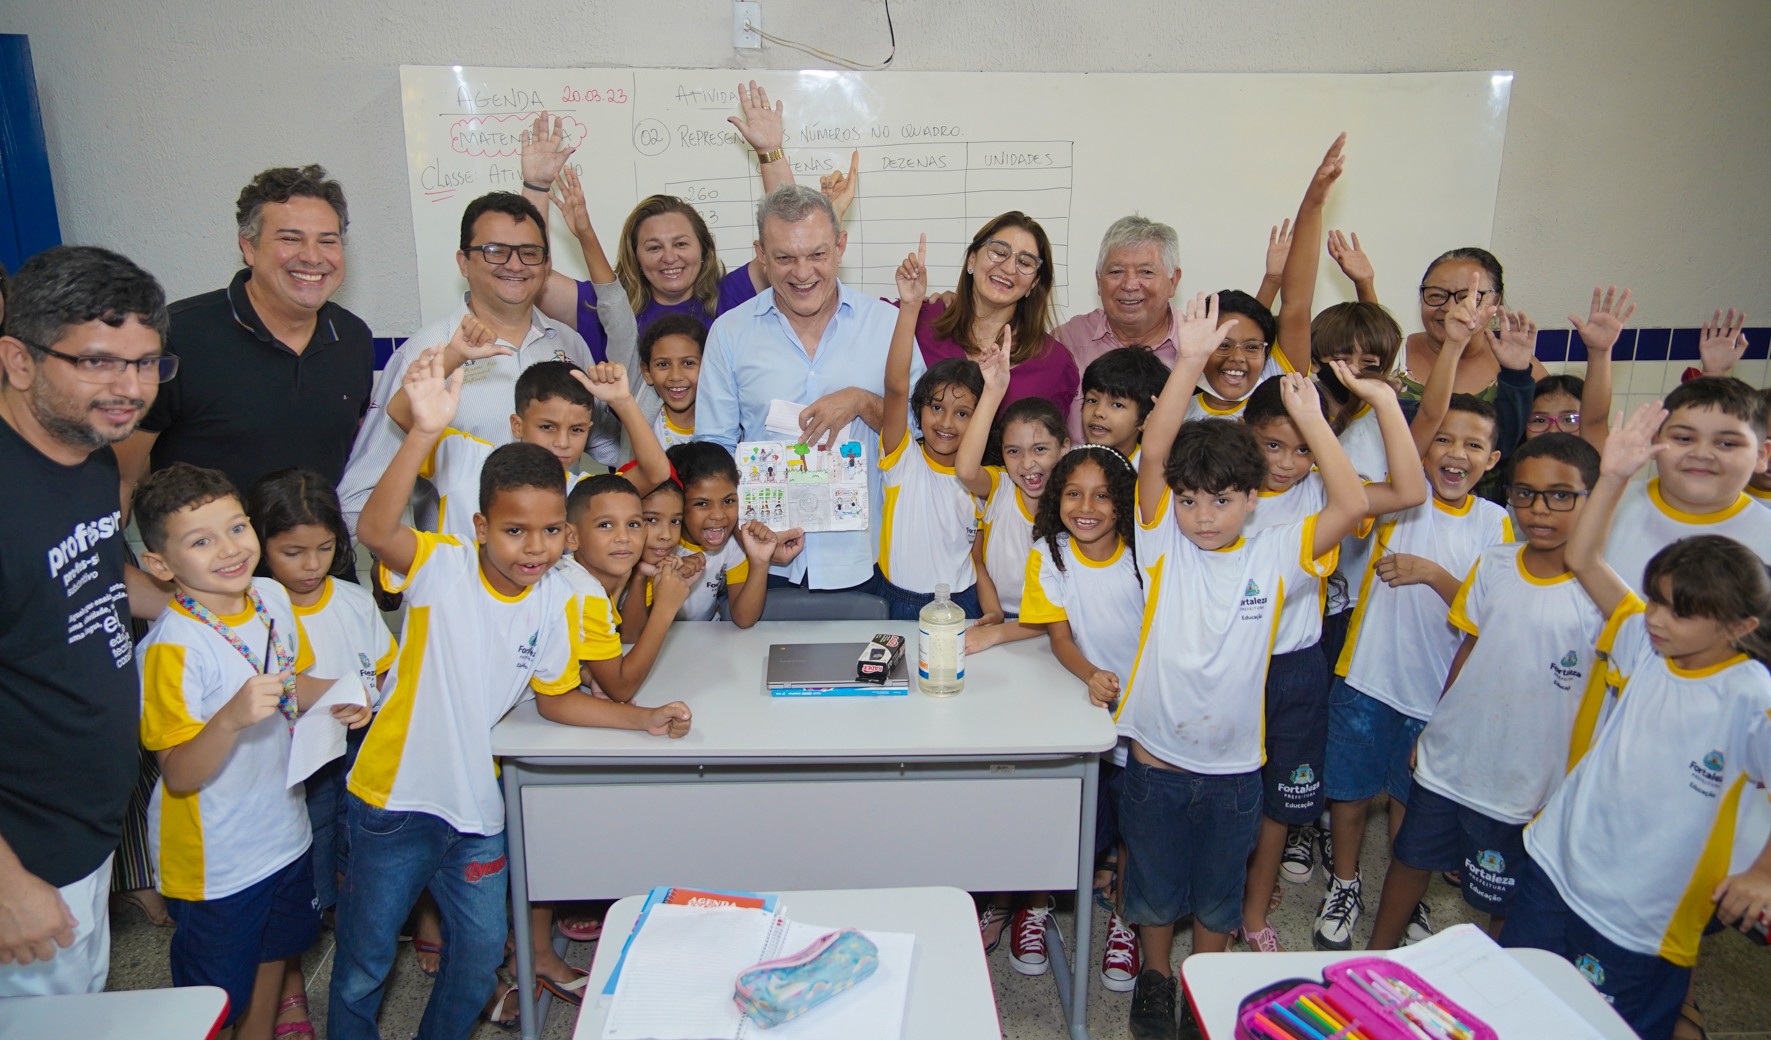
(504, 258)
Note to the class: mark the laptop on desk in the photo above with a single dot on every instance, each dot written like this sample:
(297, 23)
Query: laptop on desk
(827, 670)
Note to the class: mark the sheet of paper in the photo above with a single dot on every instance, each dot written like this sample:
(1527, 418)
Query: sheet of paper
(318, 737)
(1472, 969)
(677, 981)
(784, 418)
(782, 484)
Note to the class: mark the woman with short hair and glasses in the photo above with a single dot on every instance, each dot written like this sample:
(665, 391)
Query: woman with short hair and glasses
(1449, 281)
(1006, 280)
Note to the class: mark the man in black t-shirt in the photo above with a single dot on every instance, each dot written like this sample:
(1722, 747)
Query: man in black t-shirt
(274, 373)
(82, 360)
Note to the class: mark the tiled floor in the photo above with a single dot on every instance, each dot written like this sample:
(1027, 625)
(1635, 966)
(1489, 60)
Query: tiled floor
(1734, 976)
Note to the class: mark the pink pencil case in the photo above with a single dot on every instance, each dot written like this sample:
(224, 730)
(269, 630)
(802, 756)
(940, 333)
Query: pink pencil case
(783, 989)
(1358, 1005)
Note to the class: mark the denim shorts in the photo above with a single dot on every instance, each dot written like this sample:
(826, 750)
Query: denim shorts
(221, 942)
(1187, 839)
(904, 605)
(1440, 834)
(1369, 744)
(1297, 736)
(1645, 990)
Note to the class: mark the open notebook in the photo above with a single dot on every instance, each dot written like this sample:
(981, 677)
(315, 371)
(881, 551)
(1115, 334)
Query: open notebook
(1463, 963)
(676, 983)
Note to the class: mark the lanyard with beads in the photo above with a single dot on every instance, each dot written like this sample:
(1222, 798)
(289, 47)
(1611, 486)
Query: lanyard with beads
(285, 656)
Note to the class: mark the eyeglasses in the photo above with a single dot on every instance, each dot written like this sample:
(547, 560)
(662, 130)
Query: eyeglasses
(1556, 500)
(999, 251)
(497, 253)
(101, 368)
(1433, 296)
(1251, 348)
(1541, 421)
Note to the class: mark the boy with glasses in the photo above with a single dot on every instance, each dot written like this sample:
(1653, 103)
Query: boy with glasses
(1498, 742)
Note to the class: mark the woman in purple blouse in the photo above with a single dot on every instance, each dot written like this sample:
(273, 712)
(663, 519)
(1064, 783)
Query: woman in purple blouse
(1007, 280)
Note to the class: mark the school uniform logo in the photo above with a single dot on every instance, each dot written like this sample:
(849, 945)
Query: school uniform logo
(1254, 605)
(1566, 674)
(1589, 965)
(1706, 776)
(526, 654)
(1252, 591)
(1570, 659)
(1491, 861)
(1303, 774)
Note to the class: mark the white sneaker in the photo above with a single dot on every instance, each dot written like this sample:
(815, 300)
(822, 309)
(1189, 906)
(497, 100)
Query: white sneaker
(1298, 865)
(1026, 939)
(1339, 915)
(1420, 926)
(1121, 960)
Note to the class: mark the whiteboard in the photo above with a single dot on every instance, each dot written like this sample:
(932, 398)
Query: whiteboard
(1221, 157)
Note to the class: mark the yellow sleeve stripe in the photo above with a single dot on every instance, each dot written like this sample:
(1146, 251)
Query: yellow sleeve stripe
(1345, 664)
(891, 458)
(738, 573)
(387, 659)
(304, 650)
(1161, 512)
(1282, 359)
(1037, 607)
(1150, 604)
(598, 637)
(1506, 528)
(1460, 615)
(182, 863)
(1321, 566)
(574, 623)
(165, 715)
(1630, 606)
(378, 764)
(427, 544)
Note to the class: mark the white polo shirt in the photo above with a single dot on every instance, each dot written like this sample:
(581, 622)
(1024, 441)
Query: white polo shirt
(1008, 538)
(928, 522)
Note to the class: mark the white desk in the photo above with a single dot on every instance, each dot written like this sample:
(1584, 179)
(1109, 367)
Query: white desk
(185, 1013)
(1217, 982)
(993, 790)
(950, 994)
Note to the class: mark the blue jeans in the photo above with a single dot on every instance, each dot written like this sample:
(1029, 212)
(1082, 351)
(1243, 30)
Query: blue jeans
(1188, 836)
(394, 856)
(904, 605)
(325, 814)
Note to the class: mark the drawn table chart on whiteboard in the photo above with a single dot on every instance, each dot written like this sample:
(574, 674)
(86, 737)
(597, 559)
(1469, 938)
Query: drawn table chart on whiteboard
(1225, 157)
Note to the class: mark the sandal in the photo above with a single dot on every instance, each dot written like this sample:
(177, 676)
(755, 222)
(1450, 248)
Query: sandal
(423, 946)
(1691, 1015)
(580, 927)
(152, 905)
(501, 1012)
(303, 1027)
(1107, 883)
(570, 992)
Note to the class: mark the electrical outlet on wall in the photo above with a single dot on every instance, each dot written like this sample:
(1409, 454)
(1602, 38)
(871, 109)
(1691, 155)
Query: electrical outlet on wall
(747, 18)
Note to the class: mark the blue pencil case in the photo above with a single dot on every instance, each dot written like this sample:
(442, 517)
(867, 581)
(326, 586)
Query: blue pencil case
(783, 989)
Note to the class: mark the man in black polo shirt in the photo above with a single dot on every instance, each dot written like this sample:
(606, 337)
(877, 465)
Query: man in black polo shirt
(273, 373)
(82, 362)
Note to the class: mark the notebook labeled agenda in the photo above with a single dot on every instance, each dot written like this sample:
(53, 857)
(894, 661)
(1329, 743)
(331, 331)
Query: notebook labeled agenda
(827, 670)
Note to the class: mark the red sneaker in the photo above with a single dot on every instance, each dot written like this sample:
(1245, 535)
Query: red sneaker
(1121, 960)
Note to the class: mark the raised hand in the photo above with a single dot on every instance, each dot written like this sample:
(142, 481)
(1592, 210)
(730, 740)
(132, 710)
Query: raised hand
(841, 189)
(256, 700)
(545, 150)
(1351, 259)
(1372, 391)
(432, 396)
(994, 361)
(1198, 333)
(758, 541)
(1605, 319)
(568, 198)
(1516, 346)
(1300, 398)
(474, 340)
(913, 274)
(1327, 172)
(1468, 314)
(670, 720)
(1631, 444)
(1278, 248)
(1103, 688)
(760, 124)
(1722, 343)
(606, 381)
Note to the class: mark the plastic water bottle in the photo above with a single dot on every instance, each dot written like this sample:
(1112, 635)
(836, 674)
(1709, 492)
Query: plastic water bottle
(940, 646)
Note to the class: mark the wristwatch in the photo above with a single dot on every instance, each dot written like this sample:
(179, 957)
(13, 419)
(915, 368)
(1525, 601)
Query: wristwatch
(768, 157)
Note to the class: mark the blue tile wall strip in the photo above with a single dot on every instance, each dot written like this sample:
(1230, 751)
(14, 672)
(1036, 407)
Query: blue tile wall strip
(1553, 346)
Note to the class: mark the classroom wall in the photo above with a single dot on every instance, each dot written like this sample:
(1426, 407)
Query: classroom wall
(1635, 150)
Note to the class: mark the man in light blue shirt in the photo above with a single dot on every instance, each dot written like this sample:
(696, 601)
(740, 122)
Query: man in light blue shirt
(810, 341)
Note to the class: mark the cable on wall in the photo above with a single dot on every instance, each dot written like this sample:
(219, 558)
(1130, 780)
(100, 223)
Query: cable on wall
(891, 32)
